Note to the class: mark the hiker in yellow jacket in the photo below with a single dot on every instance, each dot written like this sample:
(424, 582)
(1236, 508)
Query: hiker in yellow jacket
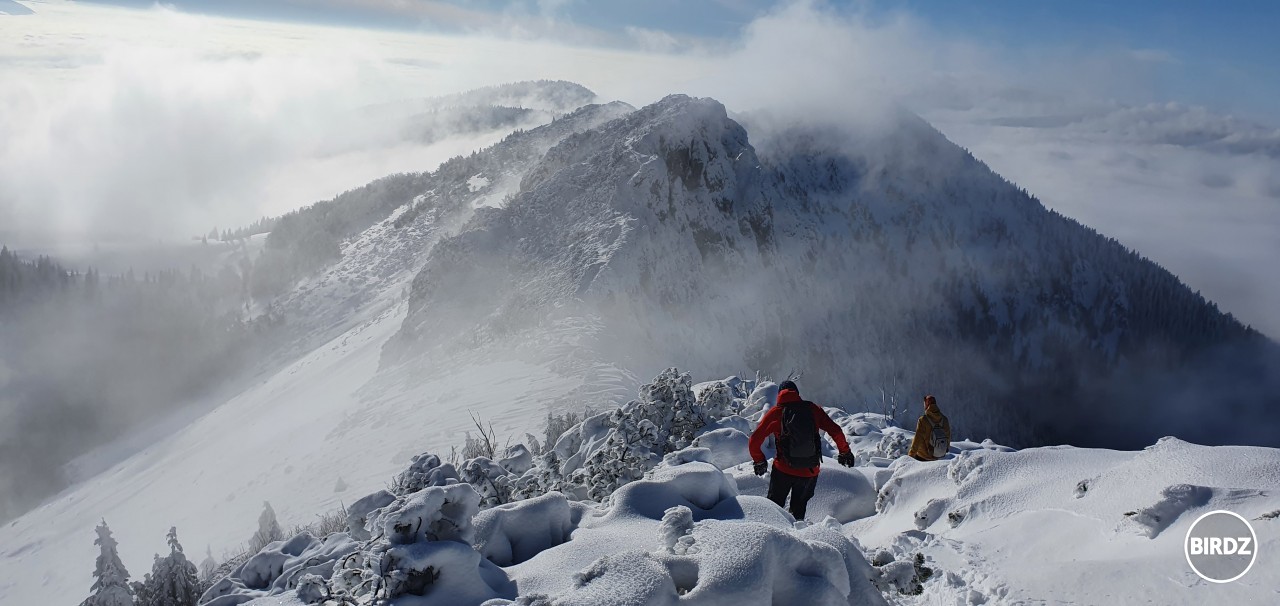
(933, 433)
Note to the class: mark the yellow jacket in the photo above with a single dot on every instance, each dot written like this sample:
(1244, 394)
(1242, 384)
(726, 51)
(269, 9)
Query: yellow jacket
(924, 431)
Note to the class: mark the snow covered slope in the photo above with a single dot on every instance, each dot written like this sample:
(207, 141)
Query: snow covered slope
(985, 525)
(1066, 524)
(289, 438)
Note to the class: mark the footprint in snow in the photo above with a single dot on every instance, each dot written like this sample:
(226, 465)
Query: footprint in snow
(927, 515)
(1175, 500)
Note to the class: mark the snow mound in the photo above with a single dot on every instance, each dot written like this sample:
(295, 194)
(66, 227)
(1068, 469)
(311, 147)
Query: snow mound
(701, 487)
(513, 533)
(728, 446)
(734, 563)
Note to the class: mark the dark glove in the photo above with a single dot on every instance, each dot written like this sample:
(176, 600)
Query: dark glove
(846, 459)
(761, 467)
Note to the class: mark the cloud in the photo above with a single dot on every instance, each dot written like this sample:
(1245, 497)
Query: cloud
(652, 40)
(161, 121)
(1160, 181)
(432, 13)
(144, 134)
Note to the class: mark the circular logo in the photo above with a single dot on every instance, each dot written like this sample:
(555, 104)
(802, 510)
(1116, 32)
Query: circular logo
(1221, 546)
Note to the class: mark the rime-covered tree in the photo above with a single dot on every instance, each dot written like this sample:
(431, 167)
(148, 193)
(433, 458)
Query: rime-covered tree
(268, 528)
(111, 579)
(208, 566)
(176, 580)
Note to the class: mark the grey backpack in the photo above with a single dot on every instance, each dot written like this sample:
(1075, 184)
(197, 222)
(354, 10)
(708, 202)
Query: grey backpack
(939, 445)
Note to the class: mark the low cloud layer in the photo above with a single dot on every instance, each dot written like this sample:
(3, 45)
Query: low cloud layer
(1194, 191)
(114, 126)
(160, 123)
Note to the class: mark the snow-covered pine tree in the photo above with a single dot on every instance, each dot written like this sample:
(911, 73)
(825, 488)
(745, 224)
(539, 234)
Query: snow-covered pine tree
(175, 578)
(268, 529)
(172, 581)
(208, 566)
(111, 579)
(145, 591)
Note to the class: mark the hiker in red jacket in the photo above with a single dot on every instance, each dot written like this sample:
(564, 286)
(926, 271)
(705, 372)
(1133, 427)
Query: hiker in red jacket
(794, 423)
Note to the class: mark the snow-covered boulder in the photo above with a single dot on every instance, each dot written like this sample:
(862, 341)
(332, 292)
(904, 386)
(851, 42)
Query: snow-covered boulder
(510, 534)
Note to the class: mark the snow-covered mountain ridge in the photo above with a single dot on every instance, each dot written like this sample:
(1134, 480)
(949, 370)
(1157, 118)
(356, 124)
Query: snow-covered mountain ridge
(894, 257)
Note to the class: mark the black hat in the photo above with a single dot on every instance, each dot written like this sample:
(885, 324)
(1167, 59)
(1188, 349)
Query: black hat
(788, 384)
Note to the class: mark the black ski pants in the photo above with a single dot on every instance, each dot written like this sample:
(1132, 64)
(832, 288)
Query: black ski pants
(800, 489)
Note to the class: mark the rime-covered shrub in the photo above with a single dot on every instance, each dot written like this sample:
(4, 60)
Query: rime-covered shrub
(422, 547)
(279, 567)
(491, 480)
(312, 589)
(630, 449)
(596, 456)
(893, 445)
(519, 458)
(545, 476)
(425, 470)
(717, 399)
(556, 425)
(436, 513)
(668, 402)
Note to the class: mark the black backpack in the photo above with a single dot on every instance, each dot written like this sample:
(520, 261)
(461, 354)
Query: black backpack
(798, 443)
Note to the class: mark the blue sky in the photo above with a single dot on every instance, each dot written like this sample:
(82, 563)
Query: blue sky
(1216, 54)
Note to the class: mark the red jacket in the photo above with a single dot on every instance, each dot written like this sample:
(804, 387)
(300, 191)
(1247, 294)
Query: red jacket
(771, 425)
